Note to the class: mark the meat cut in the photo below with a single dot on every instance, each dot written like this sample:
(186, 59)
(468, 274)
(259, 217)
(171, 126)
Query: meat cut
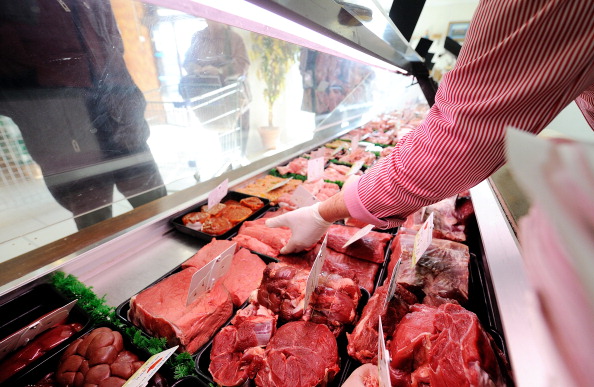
(444, 346)
(362, 342)
(283, 289)
(447, 221)
(254, 244)
(371, 247)
(440, 275)
(276, 238)
(161, 311)
(300, 354)
(237, 351)
(207, 253)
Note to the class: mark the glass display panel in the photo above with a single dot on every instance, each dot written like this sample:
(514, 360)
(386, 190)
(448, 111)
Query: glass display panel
(106, 106)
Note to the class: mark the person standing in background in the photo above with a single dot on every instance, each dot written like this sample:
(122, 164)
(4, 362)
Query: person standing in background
(64, 83)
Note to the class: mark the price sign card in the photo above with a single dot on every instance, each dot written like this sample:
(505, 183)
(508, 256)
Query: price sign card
(337, 151)
(150, 367)
(204, 279)
(303, 198)
(356, 167)
(355, 142)
(358, 235)
(315, 168)
(314, 274)
(423, 240)
(393, 283)
(217, 194)
(383, 357)
(280, 184)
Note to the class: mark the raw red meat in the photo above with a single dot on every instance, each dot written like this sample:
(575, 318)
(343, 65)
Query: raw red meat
(283, 289)
(253, 244)
(301, 354)
(276, 237)
(162, 312)
(440, 275)
(444, 346)
(362, 342)
(207, 253)
(372, 247)
(447, 222)
(237, 352)
(297, 166)
(244, 276)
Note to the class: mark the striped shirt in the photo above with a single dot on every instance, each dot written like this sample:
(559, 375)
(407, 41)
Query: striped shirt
(522, 62)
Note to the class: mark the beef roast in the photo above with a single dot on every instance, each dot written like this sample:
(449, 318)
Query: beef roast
(362, 342)
(254, 244)
(207, 253)
(237, 350)
(440, 275)
(371, 247)
(283, 289)
(161, 311)
(300, 354)
(276, 237)
(443, 346)
(244, 276)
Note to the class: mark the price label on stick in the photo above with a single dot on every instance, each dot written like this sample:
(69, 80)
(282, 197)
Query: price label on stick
(383, 357)
(422, 240)
(204, 279)
(216, 195)
(358, 235)
(356, 167)
(337, 151)
(315, 168)
(278, 185)
(150, 367)
(393, 283)
(314, 274)
(303, 198)
(355, 142)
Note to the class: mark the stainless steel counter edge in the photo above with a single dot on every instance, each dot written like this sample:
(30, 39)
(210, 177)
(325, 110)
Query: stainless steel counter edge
(533, 357)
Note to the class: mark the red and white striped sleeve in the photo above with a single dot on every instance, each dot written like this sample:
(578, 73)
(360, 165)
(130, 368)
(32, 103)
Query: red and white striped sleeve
(586, 104)
(523, 61)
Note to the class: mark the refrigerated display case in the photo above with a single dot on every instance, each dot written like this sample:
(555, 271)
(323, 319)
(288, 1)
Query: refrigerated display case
(120, 256)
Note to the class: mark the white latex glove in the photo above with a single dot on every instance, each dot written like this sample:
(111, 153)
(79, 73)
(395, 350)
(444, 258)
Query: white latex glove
(306, 224)
(365, 375)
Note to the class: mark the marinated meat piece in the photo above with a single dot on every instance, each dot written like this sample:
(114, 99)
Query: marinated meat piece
(235, 213)
(440, 275)
(362, 342)
(300, 354)
(444, 346)
(36, 348)
(252, 203)
(195, 217)
(207, 253)
(371, 247)
(161, 311)
(254, 244)
(216, 226)
(237, 352)
(282, 290)
(214, 211)
(261, 186)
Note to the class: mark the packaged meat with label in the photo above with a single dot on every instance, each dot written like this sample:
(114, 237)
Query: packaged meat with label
(449, 221)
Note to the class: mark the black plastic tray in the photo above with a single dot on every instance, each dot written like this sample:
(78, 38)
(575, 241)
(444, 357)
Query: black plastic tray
(28, 307)
(203, 356)
(51, 363)
(122, 309)
(231, 195)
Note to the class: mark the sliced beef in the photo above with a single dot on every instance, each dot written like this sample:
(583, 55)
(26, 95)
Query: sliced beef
(448, 223)
(372, 247)
(254, 244)
(443, 346)
(334, 302)
(440, 275)
(276, 237)
(207, 253)
(300, 354)
(283, 289)
(244, 276)
(362, 342)
(161, 311)
(237, 351)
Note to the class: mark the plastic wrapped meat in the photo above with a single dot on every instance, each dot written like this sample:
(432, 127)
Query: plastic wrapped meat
(371, 247)
(447, 222)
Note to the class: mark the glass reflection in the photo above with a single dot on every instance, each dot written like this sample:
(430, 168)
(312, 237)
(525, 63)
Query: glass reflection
(118, 107)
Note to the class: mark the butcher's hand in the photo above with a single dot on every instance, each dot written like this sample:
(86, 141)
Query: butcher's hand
(364, 376)
(306, 224)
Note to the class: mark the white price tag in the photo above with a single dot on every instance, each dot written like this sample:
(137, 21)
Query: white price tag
(393, 283)
(358, 235)
(315, 168)
(303, 198)
(278, 185)
(383, 358)
(314, 274)
(355, 142)
(422, 240)
(217, 194)
(204, 279)
(356, 167)
(150, 367)
(337, 151)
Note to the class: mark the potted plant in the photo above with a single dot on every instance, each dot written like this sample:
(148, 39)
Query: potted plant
(275, 58)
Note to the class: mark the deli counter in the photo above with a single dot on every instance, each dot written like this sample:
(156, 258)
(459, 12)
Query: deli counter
(198, 141)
